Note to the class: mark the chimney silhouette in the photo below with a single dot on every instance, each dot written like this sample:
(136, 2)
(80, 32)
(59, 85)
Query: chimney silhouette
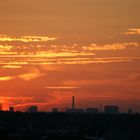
(73, 104)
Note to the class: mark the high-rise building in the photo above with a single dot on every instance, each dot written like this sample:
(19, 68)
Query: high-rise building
(33, 109)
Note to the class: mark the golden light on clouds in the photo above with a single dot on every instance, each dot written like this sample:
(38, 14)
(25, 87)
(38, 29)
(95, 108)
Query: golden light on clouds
(6, 38)
(51, 50)
(62, 87)
(33, 74)
(115, 46)
(132, 32)
(11, 66)
(16, 56)
(6, 78)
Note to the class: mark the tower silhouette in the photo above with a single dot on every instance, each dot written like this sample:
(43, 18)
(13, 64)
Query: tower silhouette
(73, 103)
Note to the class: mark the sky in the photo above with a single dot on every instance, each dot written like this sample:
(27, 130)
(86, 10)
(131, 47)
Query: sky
(52, 50)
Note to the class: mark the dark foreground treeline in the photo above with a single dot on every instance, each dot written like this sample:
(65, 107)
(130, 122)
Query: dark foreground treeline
(63, 126)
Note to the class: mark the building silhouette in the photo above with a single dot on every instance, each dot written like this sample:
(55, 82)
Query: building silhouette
(130, 111)
(92, 110)
(55, 110)
(111, 109)
(73, 109)
(76, 110)
(11, 109)
(32, 109)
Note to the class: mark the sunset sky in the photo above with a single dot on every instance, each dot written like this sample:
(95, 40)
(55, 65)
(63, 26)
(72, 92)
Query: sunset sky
(51, 50)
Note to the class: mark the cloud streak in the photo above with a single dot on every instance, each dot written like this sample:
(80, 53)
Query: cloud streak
(134, 31)
(6, 38)
(33, 74)
(15, 57)
(62, 87)
(6, 78)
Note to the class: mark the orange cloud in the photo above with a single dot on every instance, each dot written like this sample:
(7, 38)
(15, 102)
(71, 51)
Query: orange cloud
(7, 101)
(113, 47)
(6, 49)
(6, 38)
(132, 32)
(11, 66)
(33, 74)
(14, 57)
(6, 78)
(62, 87)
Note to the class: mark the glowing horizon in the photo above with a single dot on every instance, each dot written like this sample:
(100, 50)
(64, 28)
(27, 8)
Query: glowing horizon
(52, 50)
